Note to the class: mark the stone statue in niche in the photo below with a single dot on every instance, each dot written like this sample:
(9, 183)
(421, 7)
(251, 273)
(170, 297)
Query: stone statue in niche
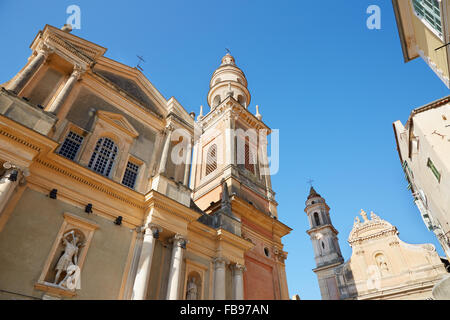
(382, 264)
(192, 290)
(68, 262)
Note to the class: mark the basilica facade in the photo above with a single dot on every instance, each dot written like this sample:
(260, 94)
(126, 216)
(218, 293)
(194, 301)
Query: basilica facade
(108, 190)
(381, 266)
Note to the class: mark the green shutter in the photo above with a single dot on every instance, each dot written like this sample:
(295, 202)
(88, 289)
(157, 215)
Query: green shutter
(433, 169)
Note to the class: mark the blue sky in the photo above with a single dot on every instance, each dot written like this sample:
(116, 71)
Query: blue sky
(330, 85)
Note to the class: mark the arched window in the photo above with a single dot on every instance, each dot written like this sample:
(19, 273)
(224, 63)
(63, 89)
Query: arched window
(103, 157)
(211, 159)
(316, 219)
(248, 157)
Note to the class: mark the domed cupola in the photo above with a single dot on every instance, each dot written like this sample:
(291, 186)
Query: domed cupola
(228, 80)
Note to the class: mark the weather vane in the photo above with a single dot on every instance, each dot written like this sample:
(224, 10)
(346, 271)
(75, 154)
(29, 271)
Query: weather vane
(141, 59)
(310, 181)
(228, 50)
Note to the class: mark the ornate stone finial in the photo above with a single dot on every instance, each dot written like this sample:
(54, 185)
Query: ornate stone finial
(357, 221)
(373, 216)
(228, 59)
(258, 115)
(67, 28)
(364, 215)
(200, 115)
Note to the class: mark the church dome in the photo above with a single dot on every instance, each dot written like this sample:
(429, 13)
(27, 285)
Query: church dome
(228, 80)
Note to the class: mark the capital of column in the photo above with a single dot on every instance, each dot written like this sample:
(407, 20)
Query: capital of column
(152, 229)
(45, 49)
(14, 171)
(180, 240)
(168, 129)
(77, 72)
(239, 267)
(220, 262)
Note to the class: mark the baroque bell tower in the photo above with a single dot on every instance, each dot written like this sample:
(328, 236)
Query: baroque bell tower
(327, 252)
(231, 144)
(230, 180)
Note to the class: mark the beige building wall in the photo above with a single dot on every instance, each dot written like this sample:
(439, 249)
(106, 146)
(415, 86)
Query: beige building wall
(424, 152)
(381, 267)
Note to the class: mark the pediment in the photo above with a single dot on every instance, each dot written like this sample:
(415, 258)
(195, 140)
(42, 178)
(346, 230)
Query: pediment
(131, 84)
(71, 46)
(118, 121)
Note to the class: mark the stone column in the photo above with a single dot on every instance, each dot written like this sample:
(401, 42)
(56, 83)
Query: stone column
(179, 243)
(165, 153)
(145, 262)
(238, 282)
(188, 164)
(62, 95)
(219, 279)
(8, 184)
(19, 82)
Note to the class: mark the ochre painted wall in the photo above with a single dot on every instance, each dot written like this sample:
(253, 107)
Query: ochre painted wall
(27, 239)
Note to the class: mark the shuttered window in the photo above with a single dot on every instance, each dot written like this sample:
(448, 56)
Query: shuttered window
(211, 159)
(429, 12)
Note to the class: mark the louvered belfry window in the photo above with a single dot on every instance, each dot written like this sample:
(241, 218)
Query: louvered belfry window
(249, 157)
(103, 157)
(211, 159)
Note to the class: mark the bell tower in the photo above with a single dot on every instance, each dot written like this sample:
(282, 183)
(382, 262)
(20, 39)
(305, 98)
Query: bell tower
(230, 181)
(327, 252)
(231, 143)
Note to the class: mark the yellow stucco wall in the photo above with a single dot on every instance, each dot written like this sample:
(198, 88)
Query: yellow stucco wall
(22, 257)
(427, 41)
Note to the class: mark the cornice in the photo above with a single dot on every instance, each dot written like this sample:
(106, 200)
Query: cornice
(250, 212)
(158, 200)
(80, 174)
(29, 138)
(230, 107)
(322, 227)
(236, 241)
